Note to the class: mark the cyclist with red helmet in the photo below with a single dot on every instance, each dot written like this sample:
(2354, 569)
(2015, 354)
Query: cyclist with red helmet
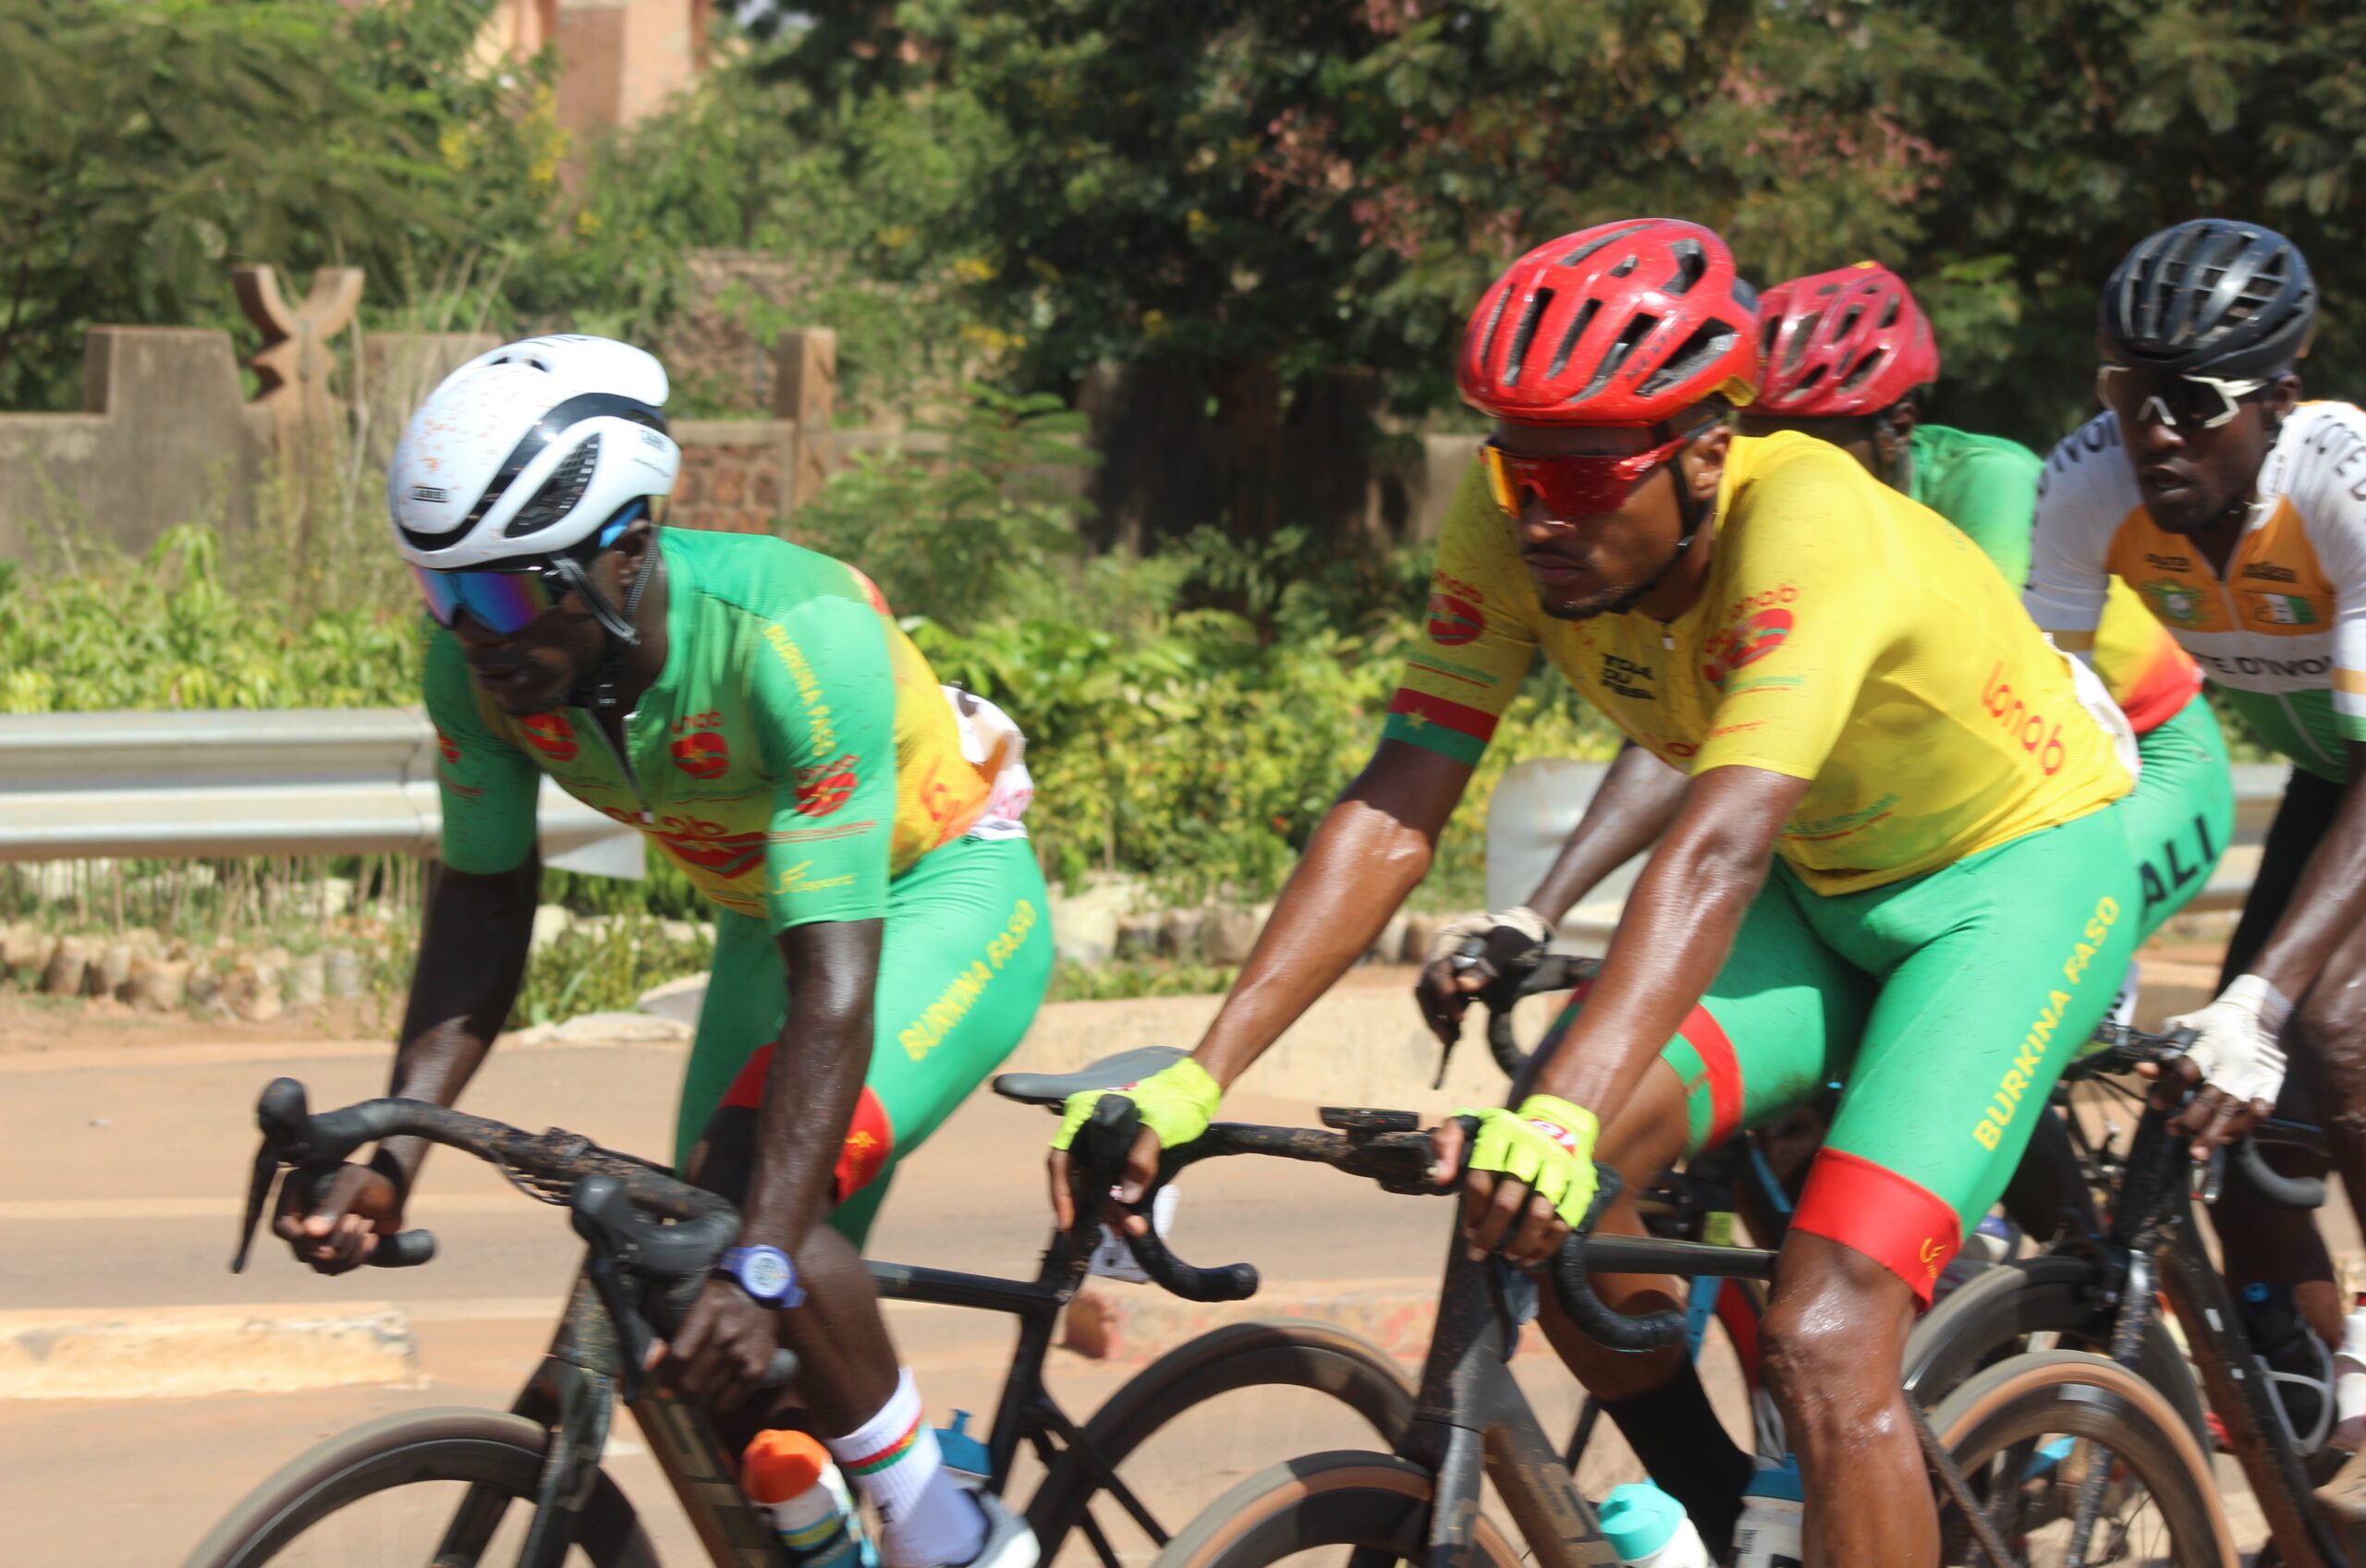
(1894, 862)
(1843, 354)
(1846, 352)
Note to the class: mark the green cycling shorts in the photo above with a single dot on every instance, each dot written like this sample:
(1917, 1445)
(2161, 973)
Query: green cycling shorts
(963, 966)
(1946, 1005)
(2180, 817)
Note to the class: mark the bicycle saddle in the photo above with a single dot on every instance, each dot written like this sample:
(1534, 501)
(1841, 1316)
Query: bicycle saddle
(1111, 1072)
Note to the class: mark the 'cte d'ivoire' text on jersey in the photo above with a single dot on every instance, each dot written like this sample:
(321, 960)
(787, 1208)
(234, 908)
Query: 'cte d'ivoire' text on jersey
(2283, 633)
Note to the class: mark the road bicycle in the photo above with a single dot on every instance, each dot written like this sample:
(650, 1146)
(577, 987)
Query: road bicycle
(459, 1486)
(2007, 1449)
(2148, 1261)
(2050, 1301)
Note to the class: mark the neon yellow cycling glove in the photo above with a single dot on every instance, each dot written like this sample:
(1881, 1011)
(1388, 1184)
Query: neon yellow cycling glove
(1175, 1102)
(1547, 1143)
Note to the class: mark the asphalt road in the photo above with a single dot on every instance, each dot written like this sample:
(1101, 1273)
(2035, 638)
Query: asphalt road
(121, 1171)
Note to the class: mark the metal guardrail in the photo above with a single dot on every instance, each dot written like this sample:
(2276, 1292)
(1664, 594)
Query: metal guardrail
(316, 781)
(1540, 801)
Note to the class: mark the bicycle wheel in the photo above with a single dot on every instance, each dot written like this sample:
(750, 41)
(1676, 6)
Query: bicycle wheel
(388, 1491)
(1317, 1511)
(2034, 1432)
(1174, 1421)
(2039, 1304)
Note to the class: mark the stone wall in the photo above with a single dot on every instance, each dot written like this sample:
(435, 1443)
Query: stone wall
(165, 436)
(709, 347)
(736, 474)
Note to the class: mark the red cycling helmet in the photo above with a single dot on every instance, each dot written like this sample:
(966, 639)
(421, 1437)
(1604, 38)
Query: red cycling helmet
(1623, 323)
(1842, 343)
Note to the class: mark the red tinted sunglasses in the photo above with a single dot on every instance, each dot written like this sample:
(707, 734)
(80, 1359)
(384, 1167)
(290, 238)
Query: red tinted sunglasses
(1570, 487)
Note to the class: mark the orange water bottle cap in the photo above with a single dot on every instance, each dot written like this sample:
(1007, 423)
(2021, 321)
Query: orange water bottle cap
(780, 1464)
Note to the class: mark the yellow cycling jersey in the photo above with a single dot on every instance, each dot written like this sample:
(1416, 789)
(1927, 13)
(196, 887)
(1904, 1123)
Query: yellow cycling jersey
(1846, 636)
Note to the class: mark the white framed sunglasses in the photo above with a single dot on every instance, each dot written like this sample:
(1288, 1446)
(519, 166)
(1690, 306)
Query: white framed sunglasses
(2180, 402)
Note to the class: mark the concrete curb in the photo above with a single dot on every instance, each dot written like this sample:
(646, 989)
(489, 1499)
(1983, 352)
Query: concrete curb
(179, 1352)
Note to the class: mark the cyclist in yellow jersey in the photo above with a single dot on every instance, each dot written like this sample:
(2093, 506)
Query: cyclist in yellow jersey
(1897, 860)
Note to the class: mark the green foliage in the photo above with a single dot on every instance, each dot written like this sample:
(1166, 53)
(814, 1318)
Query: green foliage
(167, 630)
(1124, 979)
(960, 533)
(147, 145)
(604, 969)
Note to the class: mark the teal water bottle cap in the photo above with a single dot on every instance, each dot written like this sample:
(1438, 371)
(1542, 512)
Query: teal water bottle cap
(962, 1450)
(1778, 1479)
(1638, 1519)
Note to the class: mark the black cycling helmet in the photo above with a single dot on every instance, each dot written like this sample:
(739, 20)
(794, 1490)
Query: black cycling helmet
(2210, 296)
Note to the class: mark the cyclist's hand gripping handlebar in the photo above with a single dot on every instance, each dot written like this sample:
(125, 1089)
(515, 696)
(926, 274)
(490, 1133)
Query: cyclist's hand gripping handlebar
(1097, 1159)
(1573, 1288)
(2285, 1192)
(314, 1147)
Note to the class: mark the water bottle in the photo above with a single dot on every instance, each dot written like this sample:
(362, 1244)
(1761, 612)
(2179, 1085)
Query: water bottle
(2350, 1380)
(1648, 1528)
(964, 1455)
(785, 1474)
(1767, 1536)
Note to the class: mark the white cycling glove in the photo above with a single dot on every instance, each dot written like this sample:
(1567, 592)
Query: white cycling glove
(1505, 936)
(2238, 1043)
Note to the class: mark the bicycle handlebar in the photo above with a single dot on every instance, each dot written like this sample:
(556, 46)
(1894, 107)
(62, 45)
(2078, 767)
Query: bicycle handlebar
(618, 1201)
(1398, 1159)
(2127, 1049)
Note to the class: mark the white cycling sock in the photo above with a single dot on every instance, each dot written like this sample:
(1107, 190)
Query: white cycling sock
(926, 1519)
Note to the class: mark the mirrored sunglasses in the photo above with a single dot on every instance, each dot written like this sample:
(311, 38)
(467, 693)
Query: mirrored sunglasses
(1570, 487)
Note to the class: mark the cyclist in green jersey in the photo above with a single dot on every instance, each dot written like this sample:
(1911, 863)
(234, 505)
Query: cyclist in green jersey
(754, 710)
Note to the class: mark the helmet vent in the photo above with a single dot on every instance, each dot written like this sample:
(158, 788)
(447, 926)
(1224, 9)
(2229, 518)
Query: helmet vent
(1691, 265)
(1597, 241)
(1890, 307)
(1860, 371)
(1524, 334)
(1586, 313)
(559, 493)
(1708, 341)
(1630, 337)
(1800, 336)
(1626, 266)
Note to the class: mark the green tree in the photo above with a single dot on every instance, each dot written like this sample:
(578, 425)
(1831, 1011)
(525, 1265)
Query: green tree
(149, 143)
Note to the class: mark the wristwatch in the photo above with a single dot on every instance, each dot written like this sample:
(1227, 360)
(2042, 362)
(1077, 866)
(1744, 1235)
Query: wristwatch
(766, 1274)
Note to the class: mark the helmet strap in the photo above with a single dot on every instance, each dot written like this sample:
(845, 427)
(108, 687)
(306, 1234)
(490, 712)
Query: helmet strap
(622, 626)
(1691, 512)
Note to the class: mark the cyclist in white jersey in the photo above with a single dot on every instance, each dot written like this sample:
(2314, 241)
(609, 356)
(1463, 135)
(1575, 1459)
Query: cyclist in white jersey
(2237, 513)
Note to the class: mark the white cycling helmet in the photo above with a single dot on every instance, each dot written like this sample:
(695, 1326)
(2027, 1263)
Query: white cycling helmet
(528, 451)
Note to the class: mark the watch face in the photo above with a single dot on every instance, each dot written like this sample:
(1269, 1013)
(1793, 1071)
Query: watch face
(765, 1273)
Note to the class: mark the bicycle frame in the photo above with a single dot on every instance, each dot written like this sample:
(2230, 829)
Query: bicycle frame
(573, 1393)
(1471, 1423)
(2153, 1233)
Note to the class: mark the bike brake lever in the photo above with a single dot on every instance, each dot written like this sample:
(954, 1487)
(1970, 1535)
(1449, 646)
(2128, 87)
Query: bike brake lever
(266, 1166)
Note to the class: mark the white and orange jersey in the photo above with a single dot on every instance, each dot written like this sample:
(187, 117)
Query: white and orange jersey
(2283, 633)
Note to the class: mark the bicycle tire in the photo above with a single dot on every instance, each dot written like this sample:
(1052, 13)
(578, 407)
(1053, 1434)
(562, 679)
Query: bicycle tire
(2068, 1393)
(1277, 1353)
(1340, 1498)
(481, 1447)
(1985, 1321)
